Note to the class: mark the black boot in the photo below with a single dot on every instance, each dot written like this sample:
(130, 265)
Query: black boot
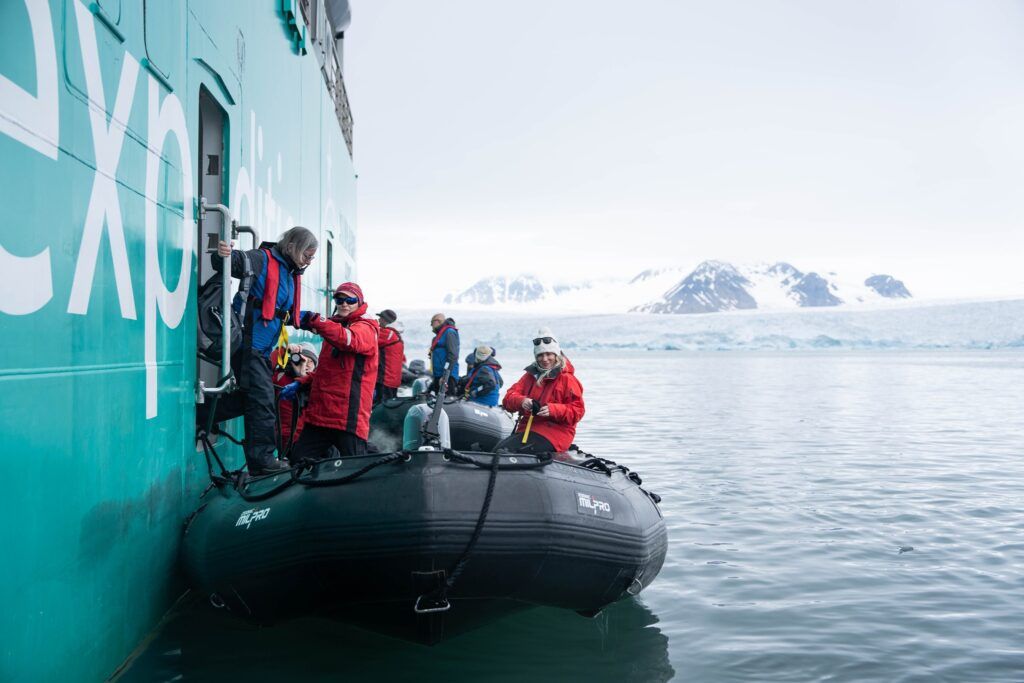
(269, 467)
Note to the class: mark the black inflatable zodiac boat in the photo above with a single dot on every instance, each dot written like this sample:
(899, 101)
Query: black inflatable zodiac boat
(426, 544)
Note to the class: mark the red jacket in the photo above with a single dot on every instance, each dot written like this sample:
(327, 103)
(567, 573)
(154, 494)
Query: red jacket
(562, 393)
(342, 391)
(285, 408)
(391, 357)
(283, 378)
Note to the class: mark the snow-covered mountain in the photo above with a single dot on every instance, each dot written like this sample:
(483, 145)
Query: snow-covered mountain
(711, 287)
(499, 289)
(888, 286)
(717, 286)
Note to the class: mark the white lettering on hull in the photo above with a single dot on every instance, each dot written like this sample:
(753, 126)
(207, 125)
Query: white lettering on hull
(26, 282)
(104, 206)
(166, 118)
(34, 121)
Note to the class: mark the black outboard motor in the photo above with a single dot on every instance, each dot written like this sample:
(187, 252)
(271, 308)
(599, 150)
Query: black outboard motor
(412, 371)
(476, 427)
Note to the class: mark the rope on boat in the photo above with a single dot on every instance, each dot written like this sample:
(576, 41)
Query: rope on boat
(338, 481)
(437, 599)
(395, 403)
(610, 466)
(209, 450)
(542, 460)
(297, 478)
(217, 430)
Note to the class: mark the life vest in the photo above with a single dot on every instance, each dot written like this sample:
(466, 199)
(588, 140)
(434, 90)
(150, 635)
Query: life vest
(268, 307)
(476, 371)
(440, 333)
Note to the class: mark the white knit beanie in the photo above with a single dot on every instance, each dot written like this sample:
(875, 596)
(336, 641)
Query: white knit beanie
(540, 346)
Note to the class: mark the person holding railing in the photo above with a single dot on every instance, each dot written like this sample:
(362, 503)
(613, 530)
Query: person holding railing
(273, 302)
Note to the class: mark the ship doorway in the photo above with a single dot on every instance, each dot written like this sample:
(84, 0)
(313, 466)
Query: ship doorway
(213, 124)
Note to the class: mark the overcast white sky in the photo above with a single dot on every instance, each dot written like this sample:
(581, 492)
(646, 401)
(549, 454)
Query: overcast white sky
(576, 138)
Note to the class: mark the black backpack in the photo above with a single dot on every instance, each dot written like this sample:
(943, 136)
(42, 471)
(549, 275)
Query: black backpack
(211, 322)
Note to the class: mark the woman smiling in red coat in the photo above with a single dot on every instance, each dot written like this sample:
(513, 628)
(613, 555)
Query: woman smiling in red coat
(551, 393)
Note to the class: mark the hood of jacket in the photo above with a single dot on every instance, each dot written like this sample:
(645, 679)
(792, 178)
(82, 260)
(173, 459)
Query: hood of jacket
(282, 258)
(490, 361)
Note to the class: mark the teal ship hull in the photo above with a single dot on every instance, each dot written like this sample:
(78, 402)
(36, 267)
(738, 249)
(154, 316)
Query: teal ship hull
(116, 118)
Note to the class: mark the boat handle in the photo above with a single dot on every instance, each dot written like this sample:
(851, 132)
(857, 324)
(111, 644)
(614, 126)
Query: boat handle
(443, 606)
(639, 587)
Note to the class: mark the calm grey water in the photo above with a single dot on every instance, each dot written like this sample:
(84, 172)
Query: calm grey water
(831, 516)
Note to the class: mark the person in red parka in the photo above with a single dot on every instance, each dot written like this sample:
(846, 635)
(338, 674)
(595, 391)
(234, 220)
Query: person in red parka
(341, 393)
(551, 393)
(391, 356)
(298, 369)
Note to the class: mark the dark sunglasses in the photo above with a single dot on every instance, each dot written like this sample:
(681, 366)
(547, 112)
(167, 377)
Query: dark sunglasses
(350, 300)
(543, 340)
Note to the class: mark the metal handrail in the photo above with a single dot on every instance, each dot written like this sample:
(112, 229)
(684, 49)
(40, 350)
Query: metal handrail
(228, 230)
(225, 294)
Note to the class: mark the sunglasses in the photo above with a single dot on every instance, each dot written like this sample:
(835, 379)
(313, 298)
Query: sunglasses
(543, 340)
(350, 300)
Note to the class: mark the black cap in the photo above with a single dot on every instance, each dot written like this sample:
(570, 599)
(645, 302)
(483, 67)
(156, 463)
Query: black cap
(388, 316)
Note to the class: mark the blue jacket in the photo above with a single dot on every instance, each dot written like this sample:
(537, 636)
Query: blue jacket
(445, 349)
(483, 382)
(264, 333)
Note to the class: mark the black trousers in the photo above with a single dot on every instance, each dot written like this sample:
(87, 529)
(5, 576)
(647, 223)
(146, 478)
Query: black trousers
(255, 400)
(453, 386)
(535, 443)
(315, 443)
(382, 393)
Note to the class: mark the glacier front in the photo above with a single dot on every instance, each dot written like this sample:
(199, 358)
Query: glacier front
(968, 325)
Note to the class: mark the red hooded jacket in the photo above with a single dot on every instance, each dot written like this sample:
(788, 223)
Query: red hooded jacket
(561, 392)
(392, 355)
(283, 378)
(342, 390)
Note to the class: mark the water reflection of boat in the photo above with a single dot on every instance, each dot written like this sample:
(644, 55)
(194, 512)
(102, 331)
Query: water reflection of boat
(199, 643)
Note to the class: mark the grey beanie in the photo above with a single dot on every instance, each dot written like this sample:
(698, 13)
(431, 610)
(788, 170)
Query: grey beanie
(309, 351)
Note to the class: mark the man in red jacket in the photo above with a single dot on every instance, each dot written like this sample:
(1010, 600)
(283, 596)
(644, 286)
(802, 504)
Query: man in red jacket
(550, 392)
(391, 356)
(341, 395)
